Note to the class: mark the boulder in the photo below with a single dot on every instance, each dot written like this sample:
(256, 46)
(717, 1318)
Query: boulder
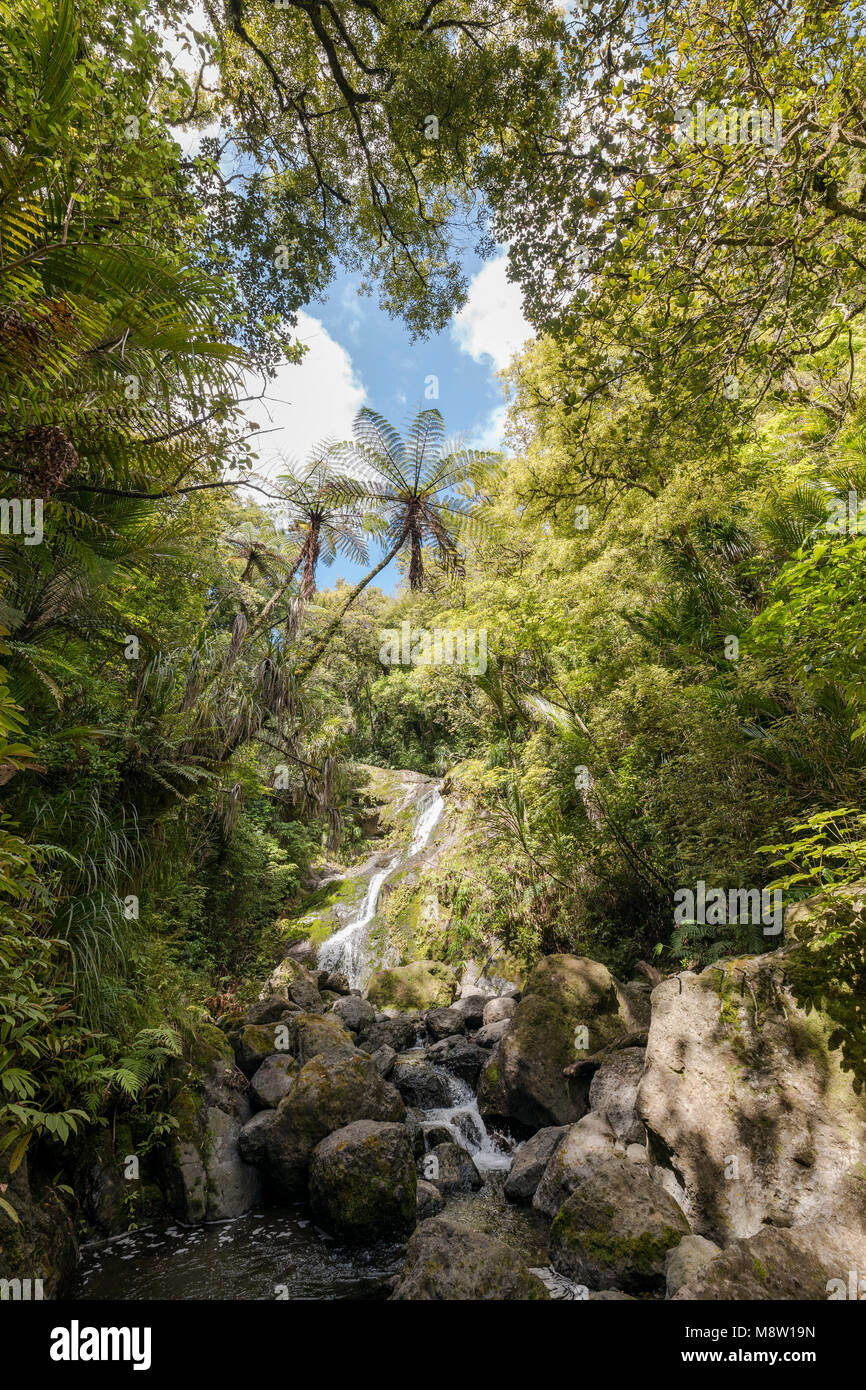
(752, 1095)
(255, 1042)
(471, 1006)
(384, 1057)
(446, 1262)
(274, 1079)
(272, 1009)
(495, 1010)
(329, 1093)
(460, 1057)
(419, 1083)
(571, 1006)
(444, 1023)
(686, 1261)
(363, 1182)
(424, 984)
(616, 1229)
(814, 1262)
(492, 1033)
(399, 1033)
(353, 1012)
(337, 983)
(452, 1169)
(299, 984)
(318, 1035)
(583, 1146)
(530, 1161)
(613, 1092)
(429, 1200)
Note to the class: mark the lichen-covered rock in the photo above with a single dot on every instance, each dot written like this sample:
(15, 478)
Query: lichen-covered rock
(686, 1261)
(530, 1162)
(317, 1035)
(445, 1023)
(583, 1146)
(424, 984)
(450, 1168)
(329, 1093)
(363, 1182)
(273, 1080)
(570, 1006)
(353, 1012)
(257, 1041)
(806, 1262)
(446, 1262)
(615, 1230)
(613, 1092)
(460, 1057)
(750, 1116)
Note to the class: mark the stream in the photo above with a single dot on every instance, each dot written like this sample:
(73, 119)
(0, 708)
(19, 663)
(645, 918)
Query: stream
(278, 1252)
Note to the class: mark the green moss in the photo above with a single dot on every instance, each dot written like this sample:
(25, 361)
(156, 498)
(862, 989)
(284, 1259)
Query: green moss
(760, 1269)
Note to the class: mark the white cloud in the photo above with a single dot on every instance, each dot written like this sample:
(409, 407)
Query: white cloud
(307, 403)
(491, 323)
(491, 434)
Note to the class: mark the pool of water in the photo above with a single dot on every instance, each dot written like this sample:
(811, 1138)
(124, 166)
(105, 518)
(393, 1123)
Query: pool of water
(269, 1254)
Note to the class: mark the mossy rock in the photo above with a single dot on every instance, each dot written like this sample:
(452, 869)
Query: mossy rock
(446, 1262)
(363, 1182)
(425, 984)
(616, 1229)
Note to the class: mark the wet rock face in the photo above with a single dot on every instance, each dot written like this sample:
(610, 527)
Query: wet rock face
(751, 1119)
(570, 1006)
(445, 1023)
(446, 1262)
(354, 1013)
(398, 1033)
(616, 1229)
(363, 1182)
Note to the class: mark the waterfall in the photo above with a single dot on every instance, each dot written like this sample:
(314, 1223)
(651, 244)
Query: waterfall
(463, 1118)
(346, 950)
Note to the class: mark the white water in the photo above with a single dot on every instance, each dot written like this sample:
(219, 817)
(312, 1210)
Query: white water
(346, 950)
(463, 1118)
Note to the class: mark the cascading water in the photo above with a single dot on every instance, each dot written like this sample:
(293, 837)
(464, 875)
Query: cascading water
(462, 1117)
(346, 950)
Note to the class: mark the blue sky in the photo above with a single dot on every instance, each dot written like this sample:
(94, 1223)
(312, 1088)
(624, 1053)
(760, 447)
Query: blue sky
(358, 355)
